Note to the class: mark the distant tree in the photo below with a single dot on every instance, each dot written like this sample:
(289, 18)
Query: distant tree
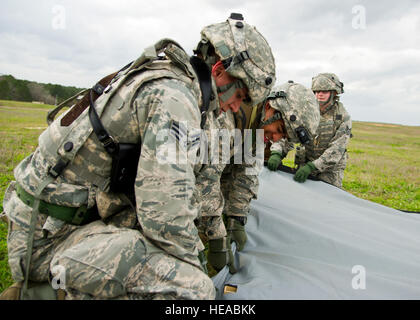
(4, 90)
(24, 90)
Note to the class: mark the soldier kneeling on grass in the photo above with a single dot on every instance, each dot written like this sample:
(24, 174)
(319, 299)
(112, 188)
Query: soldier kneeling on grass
(96, 201)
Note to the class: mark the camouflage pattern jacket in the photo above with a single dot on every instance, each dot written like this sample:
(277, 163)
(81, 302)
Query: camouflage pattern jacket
(229, 187)
(157, 104)
(328, 150)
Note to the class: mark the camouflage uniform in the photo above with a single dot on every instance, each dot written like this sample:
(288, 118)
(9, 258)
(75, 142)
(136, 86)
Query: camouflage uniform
(298, 108)
(209, 185)
(239, 182)
(232, 187)
(248, 57)
(283, 147)
(328, 151)
(146, 251)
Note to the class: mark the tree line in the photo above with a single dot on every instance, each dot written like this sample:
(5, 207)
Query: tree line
(24, 90)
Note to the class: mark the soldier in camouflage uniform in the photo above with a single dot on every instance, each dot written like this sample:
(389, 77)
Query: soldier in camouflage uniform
(326, 157)
(233, 186)
(229, 207)
(239, 181)
(140, 243)
(290, 115)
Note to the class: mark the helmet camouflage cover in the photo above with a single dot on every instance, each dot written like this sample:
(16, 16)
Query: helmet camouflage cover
(327, 82)
(299, 110)
(245, 54)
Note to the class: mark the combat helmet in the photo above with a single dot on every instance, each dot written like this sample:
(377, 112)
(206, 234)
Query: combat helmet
(244, 52)
(298, 108)
(327, 82)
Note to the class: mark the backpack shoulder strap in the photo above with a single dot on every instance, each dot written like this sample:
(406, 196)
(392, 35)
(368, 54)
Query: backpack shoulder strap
(204, 78)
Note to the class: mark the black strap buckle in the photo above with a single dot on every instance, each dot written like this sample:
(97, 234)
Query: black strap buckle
(226, 63)
(58, 168)
(109, 144)
(108, 141)
(242, 56)
(98, 88)
(239, 58)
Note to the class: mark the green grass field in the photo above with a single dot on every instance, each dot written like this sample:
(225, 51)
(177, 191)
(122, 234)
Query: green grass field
(384, 161)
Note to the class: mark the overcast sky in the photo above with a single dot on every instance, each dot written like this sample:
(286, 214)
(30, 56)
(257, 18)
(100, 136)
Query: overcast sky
(373, 46)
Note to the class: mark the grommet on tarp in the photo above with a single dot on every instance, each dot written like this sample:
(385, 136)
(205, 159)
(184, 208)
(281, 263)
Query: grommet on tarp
(230, 288)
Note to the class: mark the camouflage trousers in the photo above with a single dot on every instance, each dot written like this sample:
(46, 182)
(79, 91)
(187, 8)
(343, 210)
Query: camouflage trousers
(100, 261)
(332, 177)
(238, 188)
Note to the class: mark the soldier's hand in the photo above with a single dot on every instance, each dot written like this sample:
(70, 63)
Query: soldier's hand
(236, 231)
(274, 161)
(220, 254)
(303, 173)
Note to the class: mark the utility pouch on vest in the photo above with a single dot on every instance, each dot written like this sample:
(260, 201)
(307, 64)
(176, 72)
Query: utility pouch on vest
(125, 156)
(300, 158)
(124, 167)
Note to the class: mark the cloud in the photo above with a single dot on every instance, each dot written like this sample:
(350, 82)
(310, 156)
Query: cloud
(372, 46)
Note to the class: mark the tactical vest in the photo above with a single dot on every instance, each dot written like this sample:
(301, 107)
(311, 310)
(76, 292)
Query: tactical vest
(328, 125)
(75, 145)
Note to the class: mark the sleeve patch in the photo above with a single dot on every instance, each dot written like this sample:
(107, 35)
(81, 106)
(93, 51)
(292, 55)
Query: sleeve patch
(179, 132)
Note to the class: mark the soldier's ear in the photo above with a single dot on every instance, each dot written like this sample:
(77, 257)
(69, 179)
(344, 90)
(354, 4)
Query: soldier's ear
(218, 69)
(267, 106)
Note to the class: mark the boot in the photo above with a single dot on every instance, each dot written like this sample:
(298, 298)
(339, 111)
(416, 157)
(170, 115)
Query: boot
(12, 293)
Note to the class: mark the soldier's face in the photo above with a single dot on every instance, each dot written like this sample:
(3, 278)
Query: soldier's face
(322, 96)
(274, 131)
(223, 78)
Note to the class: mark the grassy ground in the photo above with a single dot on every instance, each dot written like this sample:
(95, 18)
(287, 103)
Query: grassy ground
(384, 161)
(20, 125)
(384, 165)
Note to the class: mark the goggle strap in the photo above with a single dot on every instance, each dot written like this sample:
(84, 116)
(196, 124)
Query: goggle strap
(229, 89)
(277, 116)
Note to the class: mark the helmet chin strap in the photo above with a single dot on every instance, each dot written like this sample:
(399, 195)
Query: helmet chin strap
(228, 90)
(274, 118)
